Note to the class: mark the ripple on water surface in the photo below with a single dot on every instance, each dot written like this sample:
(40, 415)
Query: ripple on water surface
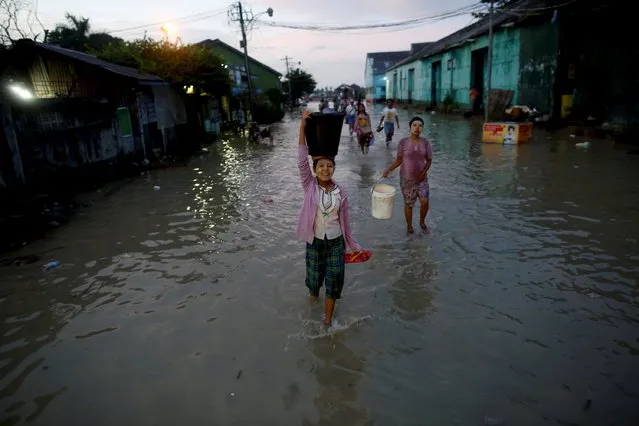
(520, 304)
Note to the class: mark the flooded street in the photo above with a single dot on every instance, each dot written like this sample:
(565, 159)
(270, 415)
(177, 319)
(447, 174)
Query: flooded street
(187, 305)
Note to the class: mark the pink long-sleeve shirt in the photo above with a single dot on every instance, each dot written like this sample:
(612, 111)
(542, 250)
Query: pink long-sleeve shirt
(305, 231)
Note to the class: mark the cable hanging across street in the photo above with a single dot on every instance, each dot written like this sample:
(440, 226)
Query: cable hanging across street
(182, 20)
(404, 23)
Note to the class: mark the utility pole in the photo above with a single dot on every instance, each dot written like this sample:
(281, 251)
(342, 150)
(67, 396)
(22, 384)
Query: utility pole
(239, 16)
(247, 19)
(490, 60)
(288, 77)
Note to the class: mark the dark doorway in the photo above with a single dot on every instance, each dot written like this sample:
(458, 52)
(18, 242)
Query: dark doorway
(435, 83)
(478, 64)
(395, 86)
(411, 84)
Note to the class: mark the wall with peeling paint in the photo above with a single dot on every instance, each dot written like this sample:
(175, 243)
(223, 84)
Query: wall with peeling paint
(48, 150)
(538, 58)
(454, 76)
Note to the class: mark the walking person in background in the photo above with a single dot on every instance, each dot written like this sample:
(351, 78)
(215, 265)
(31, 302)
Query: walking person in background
(324, 225)
(351, 113)
(241, 118)
(475, 100)
(389, 118)
(363, 128)
(414, 157)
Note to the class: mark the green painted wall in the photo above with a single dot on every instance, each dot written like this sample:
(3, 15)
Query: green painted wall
(457, 80)
(263, 78)
(401, 75)
(506, 61)
(538, 61)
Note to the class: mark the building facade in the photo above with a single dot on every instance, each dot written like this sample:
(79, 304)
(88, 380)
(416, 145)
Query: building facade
(64, 112)
(525, 52)
(375, 73)
(263, 77)
(545, 56)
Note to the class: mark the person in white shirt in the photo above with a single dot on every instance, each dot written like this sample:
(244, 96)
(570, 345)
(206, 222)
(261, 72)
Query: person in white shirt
(241, 118)
(351, 112)
(389, 118)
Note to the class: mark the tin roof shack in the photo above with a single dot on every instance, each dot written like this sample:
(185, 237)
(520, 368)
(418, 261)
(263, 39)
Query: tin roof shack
(72, 114)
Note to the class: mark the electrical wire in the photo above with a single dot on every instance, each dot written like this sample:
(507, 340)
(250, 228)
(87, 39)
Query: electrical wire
(525, 12)
(262, 45)
(533, 9)
(183, 20)
(405, 23)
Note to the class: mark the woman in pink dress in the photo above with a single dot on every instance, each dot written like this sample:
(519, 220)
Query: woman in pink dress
(414, 157)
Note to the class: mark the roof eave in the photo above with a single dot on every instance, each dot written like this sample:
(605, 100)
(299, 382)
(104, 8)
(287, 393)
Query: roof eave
(237, 51)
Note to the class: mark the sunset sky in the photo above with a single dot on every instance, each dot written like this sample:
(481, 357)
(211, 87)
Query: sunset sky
(332, 58)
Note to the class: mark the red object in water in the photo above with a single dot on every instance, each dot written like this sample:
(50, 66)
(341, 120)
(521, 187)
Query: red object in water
(359, 257)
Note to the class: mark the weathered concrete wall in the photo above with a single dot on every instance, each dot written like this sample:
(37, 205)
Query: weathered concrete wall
(456, 79)
(45, 152)
(405, 84)
(11, 170)
(538, 63)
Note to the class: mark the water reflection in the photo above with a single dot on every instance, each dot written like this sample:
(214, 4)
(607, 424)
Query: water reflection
(533, 258)
(499, 169)
(368, 175)
(338, 373)
(414, 291)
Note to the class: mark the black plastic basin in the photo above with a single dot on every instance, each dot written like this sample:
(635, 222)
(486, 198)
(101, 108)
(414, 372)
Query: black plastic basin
(323, 133)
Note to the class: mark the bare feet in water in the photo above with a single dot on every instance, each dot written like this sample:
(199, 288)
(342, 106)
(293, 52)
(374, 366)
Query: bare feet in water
(424, 228)
(409, 230)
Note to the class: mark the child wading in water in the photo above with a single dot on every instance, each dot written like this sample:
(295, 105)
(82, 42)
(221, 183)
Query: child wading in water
(414, 158)
(324, 225)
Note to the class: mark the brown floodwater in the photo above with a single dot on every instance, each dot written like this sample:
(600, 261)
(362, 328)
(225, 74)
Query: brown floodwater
(187, 305)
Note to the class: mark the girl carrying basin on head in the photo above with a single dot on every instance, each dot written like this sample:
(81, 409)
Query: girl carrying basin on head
(323, 225)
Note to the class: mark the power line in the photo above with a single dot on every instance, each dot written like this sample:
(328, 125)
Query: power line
(183, 20)
(535, 11)
(532, 9)
(408, 22)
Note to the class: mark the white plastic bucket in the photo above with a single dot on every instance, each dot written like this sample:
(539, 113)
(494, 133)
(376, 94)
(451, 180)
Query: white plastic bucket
(382, 201)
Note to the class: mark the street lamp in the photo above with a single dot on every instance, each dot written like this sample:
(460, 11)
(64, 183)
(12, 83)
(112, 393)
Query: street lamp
(268, 11)
(21, 91)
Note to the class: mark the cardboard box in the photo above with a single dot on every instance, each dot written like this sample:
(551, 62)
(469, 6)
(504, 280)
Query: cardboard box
(507, 133)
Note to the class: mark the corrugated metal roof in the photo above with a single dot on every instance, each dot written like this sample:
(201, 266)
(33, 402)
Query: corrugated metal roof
(218, 42)
(383, 60)
(480, 27)
(107, 66)
(418, 47)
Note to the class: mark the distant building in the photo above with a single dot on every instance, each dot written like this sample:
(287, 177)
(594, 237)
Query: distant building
(63, 112)
(263, 77)
(374, 75)
(545, 56)
(351, 90)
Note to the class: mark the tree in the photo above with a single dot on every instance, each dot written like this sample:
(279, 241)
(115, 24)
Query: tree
(183, 65)
(76, 34)
(301, 82)
(71, 35)
(497, 4)
(100, 41)
(17, 21)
